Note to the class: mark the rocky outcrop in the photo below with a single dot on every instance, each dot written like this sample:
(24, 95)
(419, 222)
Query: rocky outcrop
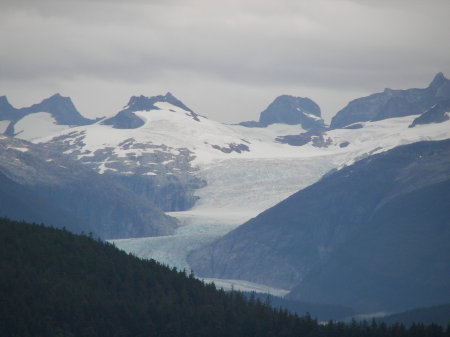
(317, 138)
(438, 113)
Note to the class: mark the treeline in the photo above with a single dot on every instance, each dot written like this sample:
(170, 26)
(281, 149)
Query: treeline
(54, 283)
(439, 314)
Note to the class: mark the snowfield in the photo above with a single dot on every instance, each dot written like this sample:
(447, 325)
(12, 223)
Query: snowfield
(37, 125)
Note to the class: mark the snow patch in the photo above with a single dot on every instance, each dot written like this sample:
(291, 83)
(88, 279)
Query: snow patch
(37, 125)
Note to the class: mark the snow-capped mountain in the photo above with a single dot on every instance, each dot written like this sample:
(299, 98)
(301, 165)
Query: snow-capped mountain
(53, 114)
(162, 149)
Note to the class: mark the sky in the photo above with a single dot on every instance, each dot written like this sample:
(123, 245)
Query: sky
(227, 60)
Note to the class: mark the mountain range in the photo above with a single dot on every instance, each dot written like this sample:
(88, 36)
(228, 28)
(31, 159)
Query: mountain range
(117, 176)
(393, 103)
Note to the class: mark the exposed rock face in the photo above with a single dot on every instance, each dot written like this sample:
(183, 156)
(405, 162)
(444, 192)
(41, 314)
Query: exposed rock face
(291, 110)
(316, 137)
(393, 103)
(372, 236)
(438, 113)
(33, 175)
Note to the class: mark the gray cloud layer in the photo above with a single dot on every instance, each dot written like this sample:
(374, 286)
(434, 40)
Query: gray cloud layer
(226, 60)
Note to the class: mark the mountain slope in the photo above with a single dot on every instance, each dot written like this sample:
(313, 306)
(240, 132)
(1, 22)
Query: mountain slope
(41, 185)
(20, 202)
(309, 240)
(393, 103)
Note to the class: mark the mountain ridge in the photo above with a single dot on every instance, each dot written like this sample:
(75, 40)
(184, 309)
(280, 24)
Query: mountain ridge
(393, 103)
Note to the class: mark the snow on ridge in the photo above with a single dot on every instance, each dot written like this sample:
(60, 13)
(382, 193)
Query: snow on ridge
(170, 129)
(311, 116)
(247, 286)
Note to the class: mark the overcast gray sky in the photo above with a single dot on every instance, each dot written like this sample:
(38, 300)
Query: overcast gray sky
(226, 60)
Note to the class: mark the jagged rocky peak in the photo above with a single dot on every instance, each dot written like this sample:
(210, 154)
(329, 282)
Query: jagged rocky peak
(126, 119)
(138, 103)
(7, 111)
(4, 104)
(393, 103)
(62, 109)
(438, 80)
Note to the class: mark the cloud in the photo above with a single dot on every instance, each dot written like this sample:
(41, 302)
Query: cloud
(338, 47)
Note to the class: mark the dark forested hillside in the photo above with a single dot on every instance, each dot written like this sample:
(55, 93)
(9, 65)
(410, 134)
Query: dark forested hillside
(54, 283)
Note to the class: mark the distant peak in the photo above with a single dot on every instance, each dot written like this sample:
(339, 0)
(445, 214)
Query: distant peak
(58, 96)
(292, 110)
(3, 100)
(169, 95)
(438, 80)
(4, 103)
(439, 75)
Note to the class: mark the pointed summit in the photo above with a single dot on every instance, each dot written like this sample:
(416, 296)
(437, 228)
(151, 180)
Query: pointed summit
(8, 112)
(438, 80)
(62, 109)
(4, 104)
